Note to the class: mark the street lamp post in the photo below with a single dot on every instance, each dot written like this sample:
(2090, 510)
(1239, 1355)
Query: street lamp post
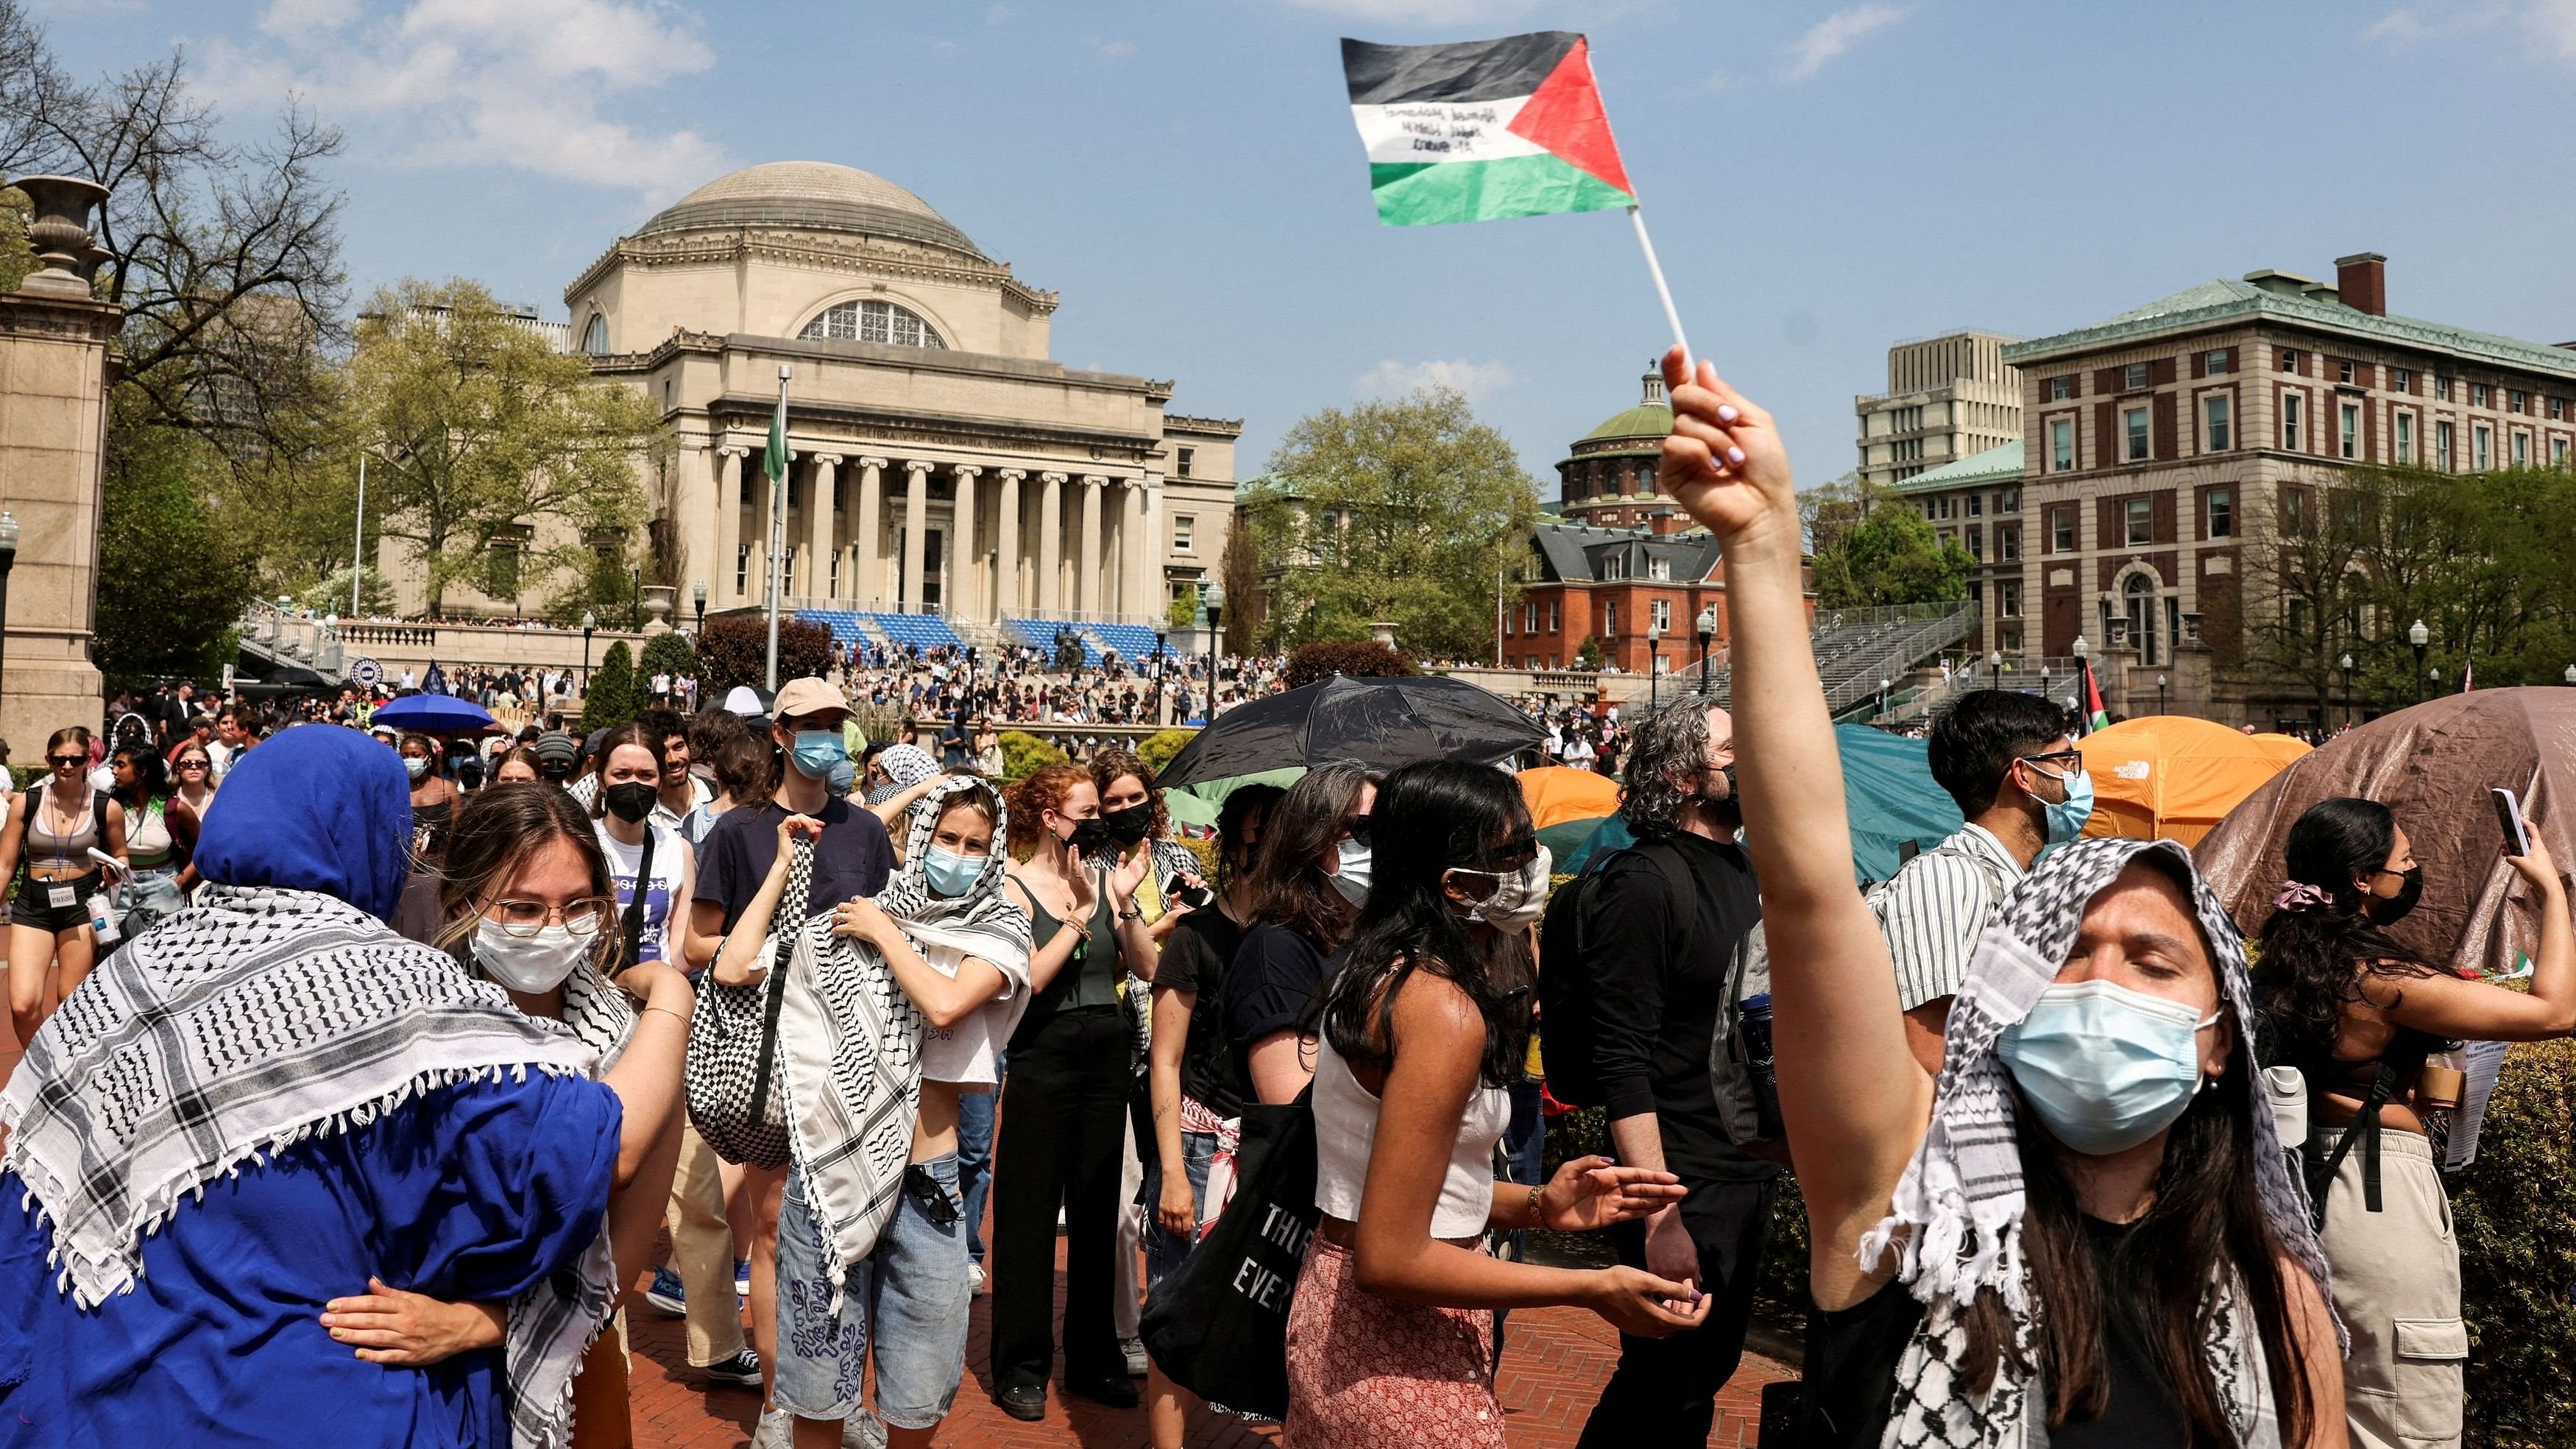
(1654, 656)
(1883, 685)
(1995, 666)
(2083, 672)
(2419, 636)
(1215, 600)
(2160, 694)
(1707, 623)
(698, 596)
(636, 622)
(4, 572)
(8, 561)
(589, 621)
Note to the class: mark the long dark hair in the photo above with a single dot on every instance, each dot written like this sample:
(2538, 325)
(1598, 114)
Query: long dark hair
(2204, 1222)
(2314, 957)
(1243, 806)
(151, 777)
(1289, 887)
(1431, 818)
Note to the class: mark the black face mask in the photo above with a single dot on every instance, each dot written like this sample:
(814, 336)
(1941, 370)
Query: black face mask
(1130, 825)
(2389, 910)
(1088, 834)
(630, 801)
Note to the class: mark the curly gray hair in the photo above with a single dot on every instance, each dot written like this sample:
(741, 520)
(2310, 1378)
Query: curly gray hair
(1671, 742)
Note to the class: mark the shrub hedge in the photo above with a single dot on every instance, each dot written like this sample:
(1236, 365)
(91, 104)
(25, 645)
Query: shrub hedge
(1024, 754)
(2513, 1214)
(1159, 747)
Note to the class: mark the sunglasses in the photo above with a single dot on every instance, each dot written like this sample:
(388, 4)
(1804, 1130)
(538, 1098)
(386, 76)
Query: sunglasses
(193, 764)
(65, 762)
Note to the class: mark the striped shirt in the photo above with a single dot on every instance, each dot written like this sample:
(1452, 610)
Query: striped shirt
(1934, 909)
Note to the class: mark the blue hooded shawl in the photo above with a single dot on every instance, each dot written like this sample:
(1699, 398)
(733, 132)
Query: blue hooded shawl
(315, 808)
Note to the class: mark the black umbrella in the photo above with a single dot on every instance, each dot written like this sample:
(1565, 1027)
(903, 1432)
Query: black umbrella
(1381, 723)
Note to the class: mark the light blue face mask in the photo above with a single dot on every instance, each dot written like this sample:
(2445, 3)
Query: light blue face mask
(2066, 817)
(949, 874)
(2105, 1067)
(817, 751)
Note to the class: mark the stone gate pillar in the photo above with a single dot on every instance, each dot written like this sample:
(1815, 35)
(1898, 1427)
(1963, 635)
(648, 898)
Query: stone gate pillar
(54, 377)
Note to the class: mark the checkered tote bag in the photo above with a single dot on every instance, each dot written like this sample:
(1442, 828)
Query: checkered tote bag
(734, 1096)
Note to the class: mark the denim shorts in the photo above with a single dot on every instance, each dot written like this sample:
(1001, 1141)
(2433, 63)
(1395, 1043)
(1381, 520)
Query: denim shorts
(1165, 1252)
(913, 1286)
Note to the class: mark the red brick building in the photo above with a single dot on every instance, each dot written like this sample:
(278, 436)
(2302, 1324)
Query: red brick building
(1636, 594)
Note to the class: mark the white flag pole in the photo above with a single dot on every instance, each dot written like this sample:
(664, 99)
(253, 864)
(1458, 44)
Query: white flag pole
(1672, 316)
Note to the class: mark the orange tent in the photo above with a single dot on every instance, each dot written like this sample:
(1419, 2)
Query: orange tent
(1557, 794)
(2284, 748)
(2172, 777)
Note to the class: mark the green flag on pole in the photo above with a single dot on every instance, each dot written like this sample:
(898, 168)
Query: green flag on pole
(773, 459)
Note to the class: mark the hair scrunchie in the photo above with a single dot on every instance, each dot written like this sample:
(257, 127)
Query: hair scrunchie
(2298, 895)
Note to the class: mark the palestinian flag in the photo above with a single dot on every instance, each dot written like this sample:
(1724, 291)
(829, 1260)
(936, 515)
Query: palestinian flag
(2095, 716)
(1484, 130)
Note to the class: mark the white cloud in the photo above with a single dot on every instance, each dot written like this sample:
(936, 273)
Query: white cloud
(518, 83)
(1472, 379)
(2549, 23)
(2553, 24)
(998, 15)
(1111, 49)
(1828, 38)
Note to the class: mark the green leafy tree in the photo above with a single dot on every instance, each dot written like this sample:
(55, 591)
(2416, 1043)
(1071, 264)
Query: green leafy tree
(1356, 658)
(1247, 603)
(611, 697)
(1887, 554)
(668, 654)
(1587, 655)
(1406, 511)
(171, 578)
(481, 433)
(1159, 747)
(1024, 754)
(1183, 612)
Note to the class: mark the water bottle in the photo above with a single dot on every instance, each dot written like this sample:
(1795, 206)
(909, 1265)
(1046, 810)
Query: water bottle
(1753, 1028)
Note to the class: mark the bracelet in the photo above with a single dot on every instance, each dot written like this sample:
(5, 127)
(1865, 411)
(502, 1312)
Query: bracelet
(1538, 1217)
(666, 1011)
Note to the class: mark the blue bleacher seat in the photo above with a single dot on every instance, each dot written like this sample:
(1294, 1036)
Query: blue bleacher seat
(1132, 641)
(926, 631)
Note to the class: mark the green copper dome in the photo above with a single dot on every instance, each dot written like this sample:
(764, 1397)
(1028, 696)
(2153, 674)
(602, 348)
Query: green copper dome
(1652, 417)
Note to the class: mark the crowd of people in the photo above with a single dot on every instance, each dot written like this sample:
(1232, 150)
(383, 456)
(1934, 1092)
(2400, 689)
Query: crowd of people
(358, 1087)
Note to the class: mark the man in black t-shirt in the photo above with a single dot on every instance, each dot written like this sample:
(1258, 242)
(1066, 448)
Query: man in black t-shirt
(1660, 964)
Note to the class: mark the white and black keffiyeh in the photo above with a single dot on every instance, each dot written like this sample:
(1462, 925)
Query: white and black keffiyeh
(254, 1020)
(1956, 1221)
(849, 1039)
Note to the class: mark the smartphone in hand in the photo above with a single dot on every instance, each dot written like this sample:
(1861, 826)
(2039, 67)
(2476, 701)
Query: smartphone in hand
(2509, 815)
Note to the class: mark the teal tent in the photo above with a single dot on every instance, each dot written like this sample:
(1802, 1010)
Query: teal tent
(1887, 782)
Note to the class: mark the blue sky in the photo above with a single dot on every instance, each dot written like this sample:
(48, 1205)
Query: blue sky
(1822, 179)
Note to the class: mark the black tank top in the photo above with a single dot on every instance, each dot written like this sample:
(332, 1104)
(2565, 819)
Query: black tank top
(1091, 978)
(1852, 1355)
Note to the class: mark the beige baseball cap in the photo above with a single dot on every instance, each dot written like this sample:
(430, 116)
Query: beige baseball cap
(800, 697)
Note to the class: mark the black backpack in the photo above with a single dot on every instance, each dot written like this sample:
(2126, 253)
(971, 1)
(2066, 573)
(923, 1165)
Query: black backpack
(1566, 1024)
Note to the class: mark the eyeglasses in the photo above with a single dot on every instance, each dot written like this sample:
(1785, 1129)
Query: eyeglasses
(584, 917)
(65, 762)
(2055, 758)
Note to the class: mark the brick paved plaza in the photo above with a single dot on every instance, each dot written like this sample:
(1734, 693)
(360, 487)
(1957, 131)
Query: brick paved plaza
(1553, 1368)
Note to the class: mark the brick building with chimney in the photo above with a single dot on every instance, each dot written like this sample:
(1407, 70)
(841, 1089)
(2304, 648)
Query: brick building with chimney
(2158, 444)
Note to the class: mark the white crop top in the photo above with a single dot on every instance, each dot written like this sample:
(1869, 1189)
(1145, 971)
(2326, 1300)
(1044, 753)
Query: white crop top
(1346, 1127)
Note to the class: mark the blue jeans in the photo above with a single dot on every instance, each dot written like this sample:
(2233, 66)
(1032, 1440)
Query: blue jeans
(975, 1160)
(912, 1286)
(1165, 1252)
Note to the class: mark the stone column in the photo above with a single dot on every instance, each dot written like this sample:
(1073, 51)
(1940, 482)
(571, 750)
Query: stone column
(722, 588)
(1051, 544)
(865, 529)
(54, 383)
(818, 527)
(1006, 544)
(916, 509)
(965, 597)
(1136, 550)
(1086, 578)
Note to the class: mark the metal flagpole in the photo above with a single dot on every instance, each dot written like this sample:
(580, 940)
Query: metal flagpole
(777, 520)
(358, 550)
(1672, 316)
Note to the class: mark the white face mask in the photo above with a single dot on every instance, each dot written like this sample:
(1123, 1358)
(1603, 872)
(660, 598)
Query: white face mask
(1519, 897)
(415, 765)
(1351, 868)
(528, 964)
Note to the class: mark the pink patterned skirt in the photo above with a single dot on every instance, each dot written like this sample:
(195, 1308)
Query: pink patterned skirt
(1366, 1372)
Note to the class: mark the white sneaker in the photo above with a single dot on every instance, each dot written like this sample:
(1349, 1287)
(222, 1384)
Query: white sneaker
(1134, 1348)
(777, 1430)
(974, 1280)
(863, 1430)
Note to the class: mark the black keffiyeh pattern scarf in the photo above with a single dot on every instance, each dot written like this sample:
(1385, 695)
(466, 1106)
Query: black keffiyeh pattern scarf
(849, 1039)
(1955, 1224)
(250, 1022)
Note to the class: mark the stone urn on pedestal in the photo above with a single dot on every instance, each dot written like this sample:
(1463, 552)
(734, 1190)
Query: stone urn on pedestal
(659, 601)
